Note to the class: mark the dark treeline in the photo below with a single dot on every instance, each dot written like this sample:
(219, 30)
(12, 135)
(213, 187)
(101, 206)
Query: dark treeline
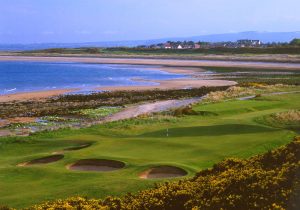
(217, 50)
(286, 49)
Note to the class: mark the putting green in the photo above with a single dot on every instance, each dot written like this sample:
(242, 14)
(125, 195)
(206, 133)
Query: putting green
(191, 143)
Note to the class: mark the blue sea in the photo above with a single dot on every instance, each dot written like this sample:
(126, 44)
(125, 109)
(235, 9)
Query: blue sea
(26, 76)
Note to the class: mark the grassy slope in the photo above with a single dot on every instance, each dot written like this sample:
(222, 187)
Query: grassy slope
(195, 143)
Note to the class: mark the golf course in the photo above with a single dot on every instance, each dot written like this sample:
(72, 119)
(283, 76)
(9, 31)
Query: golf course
(116, 158)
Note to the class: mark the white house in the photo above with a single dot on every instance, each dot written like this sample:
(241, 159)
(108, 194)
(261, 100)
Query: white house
(179, 47)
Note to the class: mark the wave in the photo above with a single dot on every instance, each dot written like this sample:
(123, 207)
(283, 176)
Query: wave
(10, 90)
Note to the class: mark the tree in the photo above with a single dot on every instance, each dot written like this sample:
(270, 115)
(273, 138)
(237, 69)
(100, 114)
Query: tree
(295, 42)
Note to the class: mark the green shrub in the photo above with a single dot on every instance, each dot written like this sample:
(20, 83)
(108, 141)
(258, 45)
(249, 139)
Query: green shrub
(186, 110)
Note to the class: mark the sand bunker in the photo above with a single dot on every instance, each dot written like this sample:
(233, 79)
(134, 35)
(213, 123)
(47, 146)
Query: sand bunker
(96, 165)
(163, 172)
(43, 160)
(83, 146)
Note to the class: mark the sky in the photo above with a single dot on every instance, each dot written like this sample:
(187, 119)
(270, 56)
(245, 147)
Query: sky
(75, 21)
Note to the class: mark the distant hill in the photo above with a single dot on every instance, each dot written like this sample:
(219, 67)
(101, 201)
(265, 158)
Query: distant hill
(262, 36)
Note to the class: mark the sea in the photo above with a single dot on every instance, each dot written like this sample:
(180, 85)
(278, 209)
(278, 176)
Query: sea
(27, 76)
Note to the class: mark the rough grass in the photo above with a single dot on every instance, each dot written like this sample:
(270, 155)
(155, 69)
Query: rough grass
(194, 142)
(289, 119)
(98, 112)
(247, 90)
(292, 116)
(256, 75)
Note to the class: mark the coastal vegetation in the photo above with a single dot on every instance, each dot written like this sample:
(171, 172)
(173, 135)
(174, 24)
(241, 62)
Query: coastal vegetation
(217, 50)
(245, 76)
(70, 104)
(214, 50)
(289, 119)
(192, 139)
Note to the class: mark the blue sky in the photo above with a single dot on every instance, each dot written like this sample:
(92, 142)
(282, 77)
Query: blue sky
(37, 21)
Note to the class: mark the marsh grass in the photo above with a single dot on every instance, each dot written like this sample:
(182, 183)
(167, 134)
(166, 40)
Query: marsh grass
(98, 112)
(248, 89)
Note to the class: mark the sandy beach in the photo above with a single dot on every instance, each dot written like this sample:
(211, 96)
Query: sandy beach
(37, 95)
(188, 67)
(173, 84)
(162, 85)
(158, 62)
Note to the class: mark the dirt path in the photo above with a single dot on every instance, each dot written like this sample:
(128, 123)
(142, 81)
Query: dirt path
(160, 106)
(266, 94)
(148, 108)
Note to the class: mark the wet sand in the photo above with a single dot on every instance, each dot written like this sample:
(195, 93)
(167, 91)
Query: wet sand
(37, 95)
(161, 62)
(173, 84)
(162, 85)
(146, 108)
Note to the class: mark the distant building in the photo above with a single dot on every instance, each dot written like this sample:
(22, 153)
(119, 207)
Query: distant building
(167, 46)
(197, 46)
(179, 47)
(248, 43)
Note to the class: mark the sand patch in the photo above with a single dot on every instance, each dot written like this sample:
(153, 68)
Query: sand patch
(209, 61)
(96, 165)
(163, 172)
(5, 133)
(36, 95)
(172, 85)
(43, 160)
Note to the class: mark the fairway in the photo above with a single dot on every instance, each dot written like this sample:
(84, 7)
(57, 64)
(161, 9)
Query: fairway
(231, 128)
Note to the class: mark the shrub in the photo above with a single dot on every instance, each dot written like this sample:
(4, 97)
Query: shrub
(291, 116)
(186, 110)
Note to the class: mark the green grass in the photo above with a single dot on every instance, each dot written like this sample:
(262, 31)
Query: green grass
(98, 112)
(195, 142)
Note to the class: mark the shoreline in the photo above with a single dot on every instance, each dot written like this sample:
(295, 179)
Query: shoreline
(172, 84)
(275, 58)
(158, 62)
(34, 95)
(187, 67)
(183, 83)
(162, 85)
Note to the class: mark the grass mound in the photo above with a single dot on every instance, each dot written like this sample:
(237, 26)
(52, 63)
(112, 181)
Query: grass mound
(96, 165)
(265, 181)
(163, 172)
(43, 160)
(288, 119)
(289, 116)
